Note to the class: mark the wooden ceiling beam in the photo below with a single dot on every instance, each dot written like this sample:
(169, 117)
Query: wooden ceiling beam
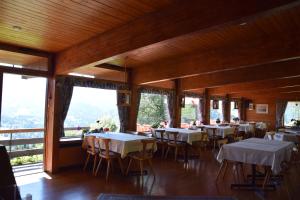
(255, 86)
(258, 51)
(282, 69)
(25, 50)
(182, 18)
(111, 67)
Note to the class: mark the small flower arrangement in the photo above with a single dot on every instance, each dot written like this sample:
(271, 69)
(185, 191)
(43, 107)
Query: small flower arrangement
(218, 121)
(296, 122)
(236, 119)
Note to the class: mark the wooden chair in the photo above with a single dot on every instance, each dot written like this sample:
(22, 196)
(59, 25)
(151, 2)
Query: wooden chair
(214, 137)
(89, 144)
(160, 141)
(108, 156)
(270, 135)
(173, 143)
(146, 154)
(222, 142)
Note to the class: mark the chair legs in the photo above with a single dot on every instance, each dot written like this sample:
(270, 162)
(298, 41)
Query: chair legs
(96, 172)
(151, 166)
(142, 171)
(108, 168)
(166, 154)
(86, 162)
(130, 161)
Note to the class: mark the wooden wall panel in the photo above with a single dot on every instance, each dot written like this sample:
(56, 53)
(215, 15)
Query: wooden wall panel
(269, 118)
(71, 156)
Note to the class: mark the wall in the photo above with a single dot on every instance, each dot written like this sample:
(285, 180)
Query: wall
(269, 118)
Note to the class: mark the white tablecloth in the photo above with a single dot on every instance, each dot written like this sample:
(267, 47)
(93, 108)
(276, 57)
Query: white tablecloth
(122, 143)
(247, 128)
(186, 135)
(257, 151)
(280, 136)
(222, 131)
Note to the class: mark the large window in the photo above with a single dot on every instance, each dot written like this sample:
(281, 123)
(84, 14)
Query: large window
(23, 102)
(92, 108)
(190, 113)
(23, 107)
(234, 112)
(216, 111)
(153, 111)
(292, 112)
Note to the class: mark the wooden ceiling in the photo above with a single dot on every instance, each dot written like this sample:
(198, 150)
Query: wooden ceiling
(27, 61)
(202, 44)
(54, 25)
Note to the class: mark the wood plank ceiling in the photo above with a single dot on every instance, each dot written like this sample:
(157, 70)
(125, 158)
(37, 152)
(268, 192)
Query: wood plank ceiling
(54, 25)
(199, 45)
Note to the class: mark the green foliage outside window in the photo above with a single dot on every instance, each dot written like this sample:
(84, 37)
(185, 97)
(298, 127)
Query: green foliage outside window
(152, 110)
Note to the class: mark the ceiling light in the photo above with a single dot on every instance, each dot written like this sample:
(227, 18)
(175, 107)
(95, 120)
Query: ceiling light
(17, 28)
(81, 75)
(243, 23)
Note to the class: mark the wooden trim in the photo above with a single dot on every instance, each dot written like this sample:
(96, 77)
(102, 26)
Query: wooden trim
(111, 67)
(24, 50)
(23, 71)
(24, 130)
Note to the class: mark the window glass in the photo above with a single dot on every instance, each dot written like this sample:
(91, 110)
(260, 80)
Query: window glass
(292, 113)
(216, 114)
(153, 111)
(89, 105)
(23, 102)
(190, 113)
(234, 113)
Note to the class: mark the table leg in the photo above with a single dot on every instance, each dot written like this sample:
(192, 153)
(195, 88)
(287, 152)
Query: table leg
(186, 149)
(253, 185)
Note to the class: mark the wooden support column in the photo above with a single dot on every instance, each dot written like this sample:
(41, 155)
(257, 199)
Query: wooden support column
(227, 108)
(133, 110)
(51, 154)
(177, 109)
(206, 97)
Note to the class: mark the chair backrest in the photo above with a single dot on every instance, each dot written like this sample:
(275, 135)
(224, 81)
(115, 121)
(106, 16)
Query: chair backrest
(172, 136)
(148, 147)
(159, 134)
(106, 142)
(270, 135)
(90, 143)
(204, 137)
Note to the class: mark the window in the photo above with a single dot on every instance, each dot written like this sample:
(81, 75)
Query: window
(292, 112)
(190, 112)
(89, 105)
(234, 113)
(23, 107)
(23, 102)
(153, 111)
(216, 113)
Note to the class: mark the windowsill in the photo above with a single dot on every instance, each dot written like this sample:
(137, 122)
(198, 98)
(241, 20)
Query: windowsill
(70, 142)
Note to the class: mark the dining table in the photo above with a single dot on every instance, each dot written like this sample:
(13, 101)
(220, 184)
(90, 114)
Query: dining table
(186, 136)
(282, 136)
(219, 130)
(257, 151)
(122, 143)
(247, 128)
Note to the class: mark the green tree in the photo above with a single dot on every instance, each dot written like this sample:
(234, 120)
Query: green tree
(152, 109)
